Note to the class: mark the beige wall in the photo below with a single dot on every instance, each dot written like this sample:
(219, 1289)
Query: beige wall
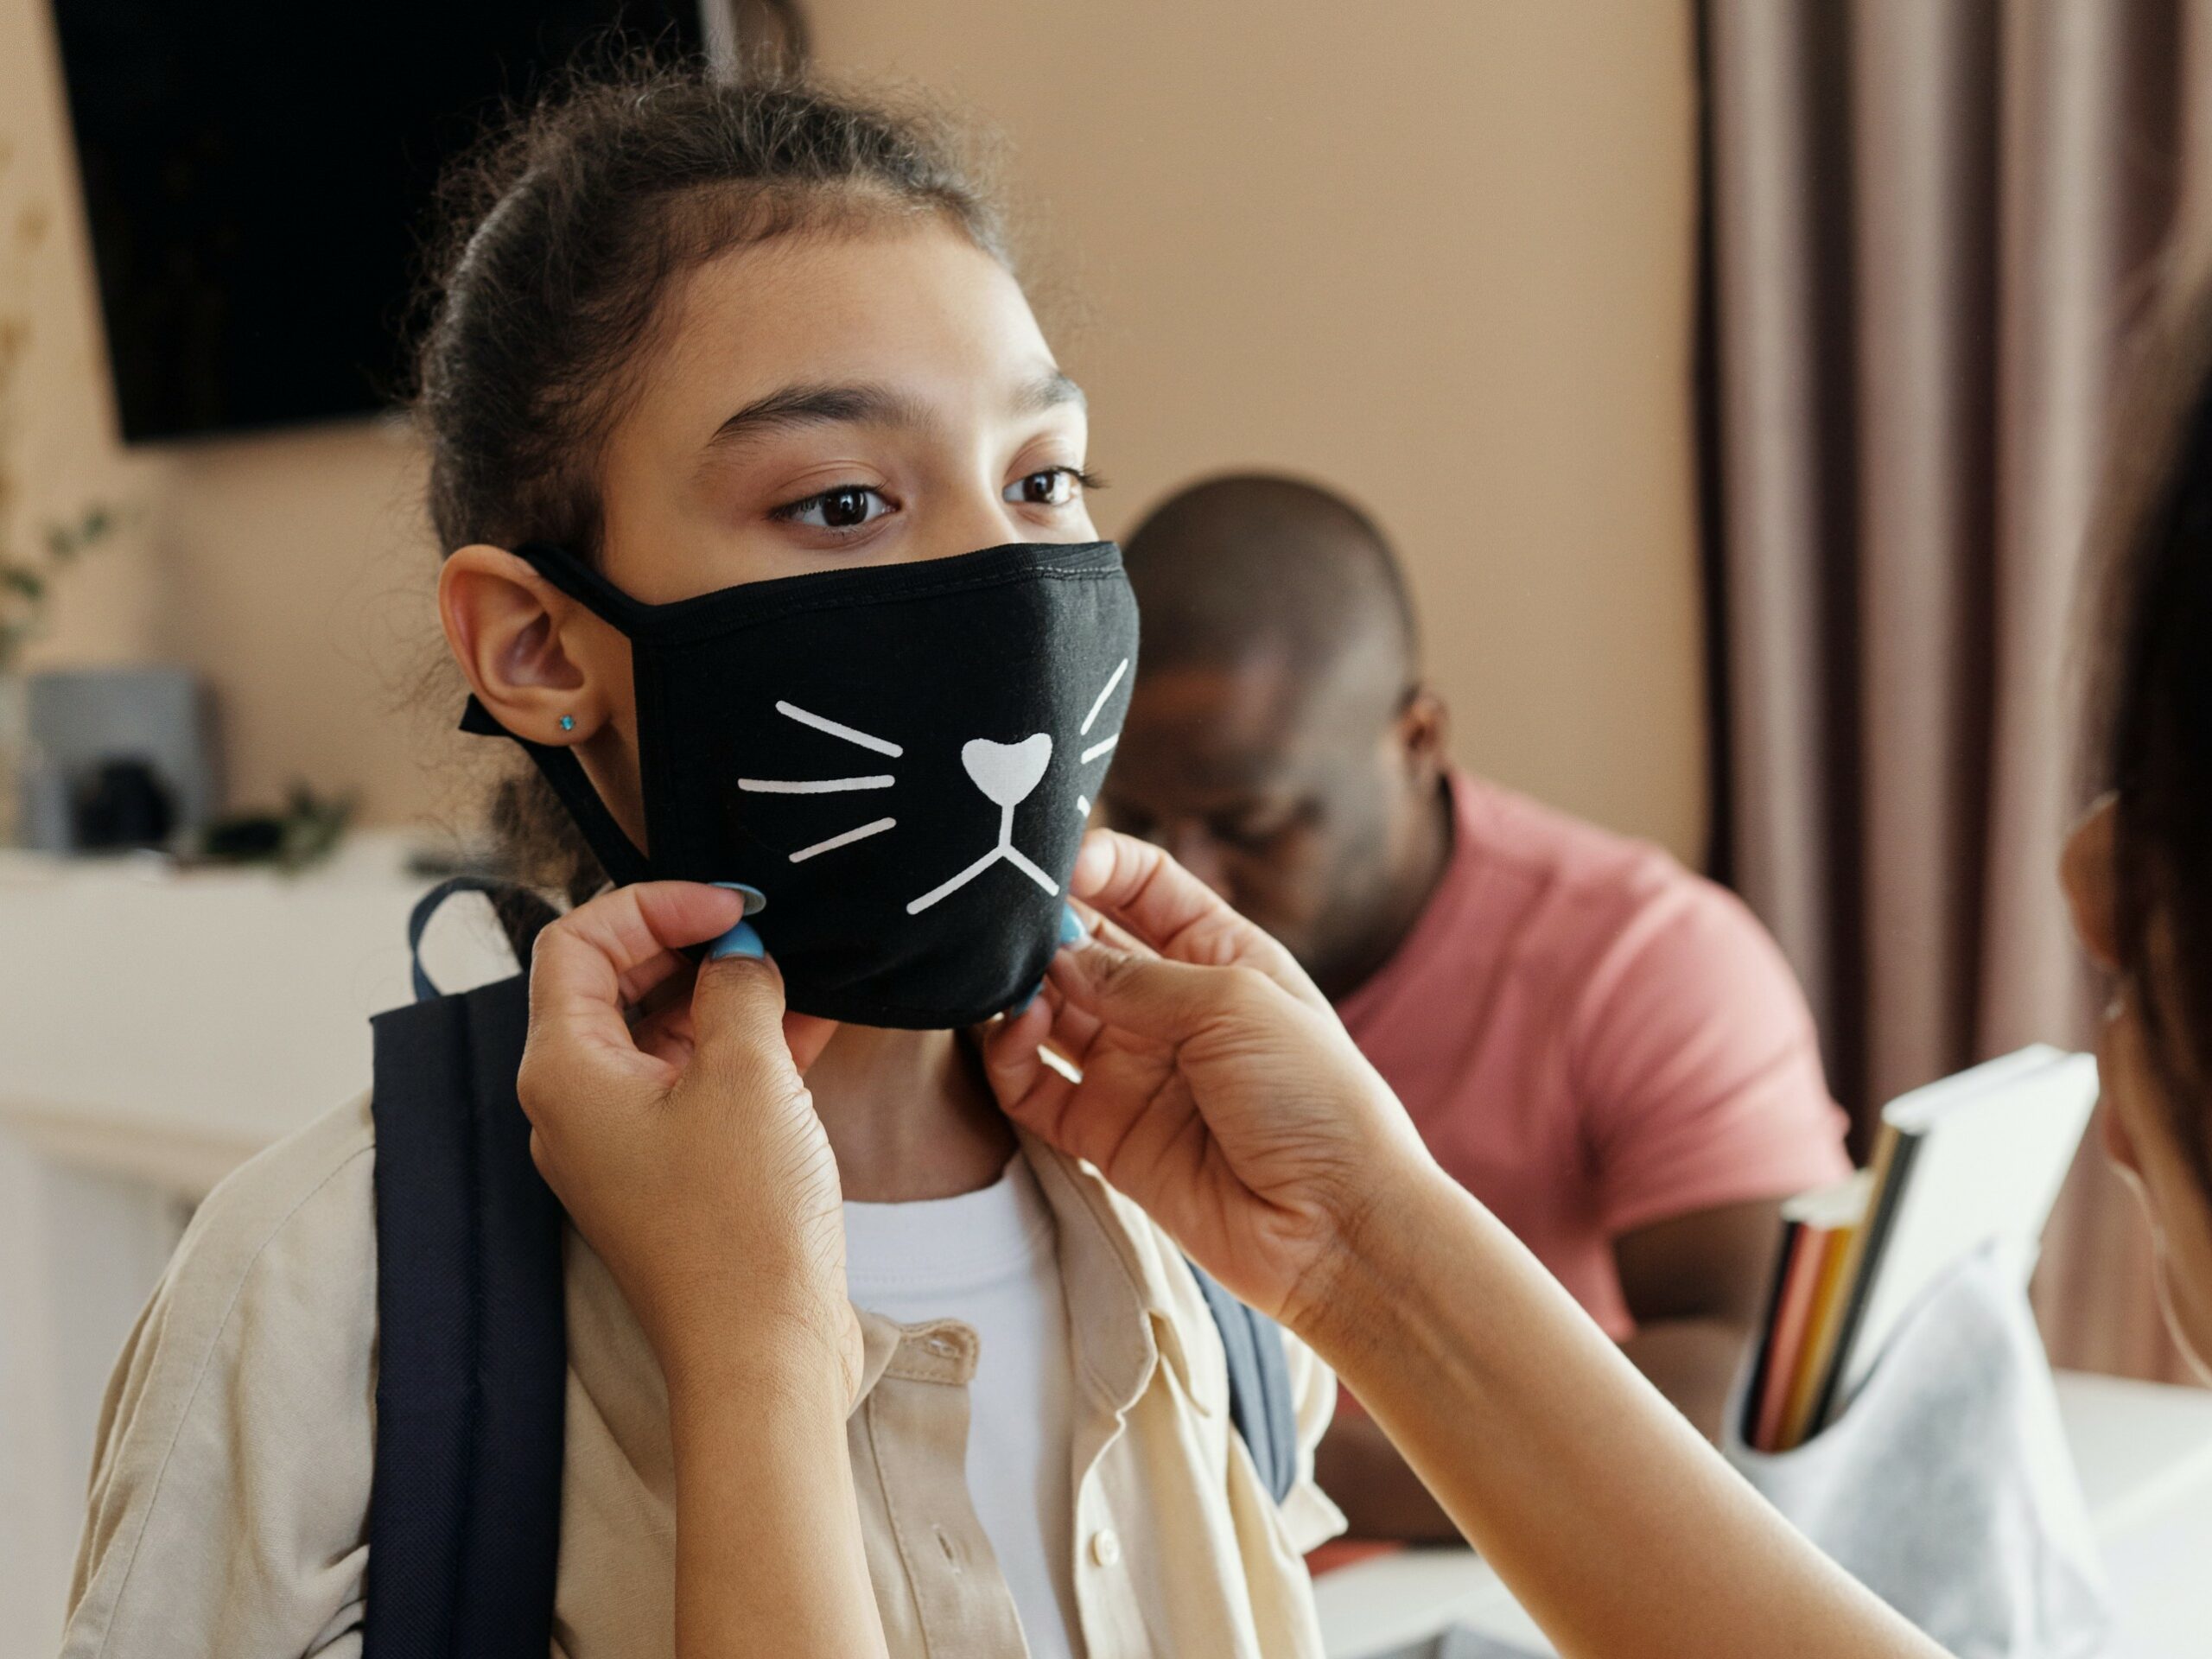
(1438, 253)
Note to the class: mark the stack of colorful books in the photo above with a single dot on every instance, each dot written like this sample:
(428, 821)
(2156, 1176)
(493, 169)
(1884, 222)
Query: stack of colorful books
(1976, 1156)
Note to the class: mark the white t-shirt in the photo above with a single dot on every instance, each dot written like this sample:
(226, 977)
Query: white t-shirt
(991, 1260)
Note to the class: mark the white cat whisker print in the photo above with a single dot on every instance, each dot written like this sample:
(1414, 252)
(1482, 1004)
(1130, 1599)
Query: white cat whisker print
(829, 785)
(845, 840)
(1105, 744)
(812, 786)
(1099, 701)
(821, 723)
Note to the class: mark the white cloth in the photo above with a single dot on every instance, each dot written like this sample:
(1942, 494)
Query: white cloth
(1946, 1486)
(991, 1260)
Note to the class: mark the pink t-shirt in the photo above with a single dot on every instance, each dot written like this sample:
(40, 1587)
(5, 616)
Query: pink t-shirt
(1591, 1038)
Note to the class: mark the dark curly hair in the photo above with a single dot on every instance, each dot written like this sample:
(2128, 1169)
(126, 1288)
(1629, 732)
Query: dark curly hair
(562, 232)
(2151, 712)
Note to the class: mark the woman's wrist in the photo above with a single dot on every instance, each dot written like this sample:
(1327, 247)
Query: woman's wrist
(1357, 1303)
(804, 1353)
(774, 1397)
(768, 1540)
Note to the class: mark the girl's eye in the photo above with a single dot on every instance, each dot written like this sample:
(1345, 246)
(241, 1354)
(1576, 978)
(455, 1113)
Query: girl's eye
(848, 506)
(1055, 486)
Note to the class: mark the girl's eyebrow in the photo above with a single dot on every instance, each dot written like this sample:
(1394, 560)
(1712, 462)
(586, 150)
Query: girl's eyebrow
(1050, 390)
(819, 405)
(863, 405)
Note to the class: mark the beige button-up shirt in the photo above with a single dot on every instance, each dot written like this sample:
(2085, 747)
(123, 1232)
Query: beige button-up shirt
(229, 1490)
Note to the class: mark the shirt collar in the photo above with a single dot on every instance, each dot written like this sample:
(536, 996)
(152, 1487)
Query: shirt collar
(1135, 1293)
(1135, 1289)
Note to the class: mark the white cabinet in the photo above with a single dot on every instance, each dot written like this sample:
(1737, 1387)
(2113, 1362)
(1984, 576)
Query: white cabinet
(156, 1029)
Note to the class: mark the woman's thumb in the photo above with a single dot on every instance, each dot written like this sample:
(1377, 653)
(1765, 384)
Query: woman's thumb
(737, 1022)
(1148, 997)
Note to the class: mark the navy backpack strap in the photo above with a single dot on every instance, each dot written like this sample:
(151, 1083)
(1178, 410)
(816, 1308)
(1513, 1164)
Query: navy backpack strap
(465, 1499)
(1260, 1401)
(522, 914)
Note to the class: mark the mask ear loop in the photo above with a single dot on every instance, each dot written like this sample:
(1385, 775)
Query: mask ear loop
(617, 854)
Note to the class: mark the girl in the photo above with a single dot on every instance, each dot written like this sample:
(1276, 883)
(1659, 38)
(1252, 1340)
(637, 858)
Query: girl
(713, 375)
(1217, 1088)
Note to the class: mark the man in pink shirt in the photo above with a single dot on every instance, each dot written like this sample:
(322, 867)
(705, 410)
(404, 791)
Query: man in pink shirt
(1605, 1049)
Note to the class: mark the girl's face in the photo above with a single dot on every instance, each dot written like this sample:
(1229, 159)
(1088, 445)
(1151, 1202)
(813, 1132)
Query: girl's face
(2139, 1109)
(870, 396)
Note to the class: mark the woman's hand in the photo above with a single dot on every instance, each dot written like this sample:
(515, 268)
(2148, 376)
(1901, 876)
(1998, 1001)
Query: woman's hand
(687, 1150)
(1217, 1089)
(684, 1142)
(1220, 1091)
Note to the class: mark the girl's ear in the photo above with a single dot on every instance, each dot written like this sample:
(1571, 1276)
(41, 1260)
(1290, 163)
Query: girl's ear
(540, 662)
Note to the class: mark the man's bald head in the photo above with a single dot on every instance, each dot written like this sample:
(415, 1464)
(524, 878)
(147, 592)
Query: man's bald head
(1279, 743)
(1250, 567)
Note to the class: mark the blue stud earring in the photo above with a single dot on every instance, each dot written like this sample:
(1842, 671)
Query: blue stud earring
(567, 722)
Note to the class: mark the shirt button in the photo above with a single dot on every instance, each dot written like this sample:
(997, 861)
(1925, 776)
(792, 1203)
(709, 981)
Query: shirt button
(1106, 1546)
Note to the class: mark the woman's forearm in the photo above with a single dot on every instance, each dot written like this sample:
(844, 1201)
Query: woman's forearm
(1615, 1526)
(768, 1550)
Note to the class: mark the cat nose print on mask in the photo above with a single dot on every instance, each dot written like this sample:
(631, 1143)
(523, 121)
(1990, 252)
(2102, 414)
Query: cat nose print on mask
(1008, 774)
(1005, 772)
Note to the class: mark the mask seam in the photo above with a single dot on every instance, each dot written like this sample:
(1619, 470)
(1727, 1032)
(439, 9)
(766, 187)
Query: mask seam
(690, 630)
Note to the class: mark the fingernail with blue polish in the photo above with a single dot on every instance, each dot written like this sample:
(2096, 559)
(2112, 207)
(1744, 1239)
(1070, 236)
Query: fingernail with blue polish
(1023, 1007)
(1071, 927)
(740, 941)
(755, 900)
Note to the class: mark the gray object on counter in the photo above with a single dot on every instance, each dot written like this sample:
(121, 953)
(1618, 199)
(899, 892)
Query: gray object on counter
(81, 721)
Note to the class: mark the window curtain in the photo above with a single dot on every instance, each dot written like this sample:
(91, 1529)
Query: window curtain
(1929, 227)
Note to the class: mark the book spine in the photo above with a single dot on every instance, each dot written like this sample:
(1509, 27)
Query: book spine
(1789, 1335)
(1821, 1357)
(1888, 1197)
(1755, 1389)
(1819, 1340)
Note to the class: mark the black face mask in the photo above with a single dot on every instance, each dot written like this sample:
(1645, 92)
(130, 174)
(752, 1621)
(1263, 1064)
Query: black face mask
(901, 757)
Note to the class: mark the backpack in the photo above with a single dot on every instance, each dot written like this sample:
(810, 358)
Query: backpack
(472, 1373)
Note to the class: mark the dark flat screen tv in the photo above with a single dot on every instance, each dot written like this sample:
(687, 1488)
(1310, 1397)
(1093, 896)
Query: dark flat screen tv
(256, 178)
